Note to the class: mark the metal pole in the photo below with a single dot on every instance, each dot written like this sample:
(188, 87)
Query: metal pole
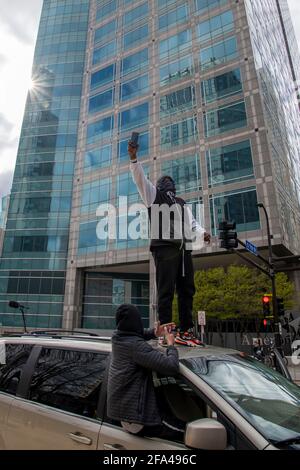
(273, 280)
(24, 321)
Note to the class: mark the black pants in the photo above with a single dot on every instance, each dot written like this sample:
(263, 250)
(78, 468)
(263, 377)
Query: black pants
(169, 275)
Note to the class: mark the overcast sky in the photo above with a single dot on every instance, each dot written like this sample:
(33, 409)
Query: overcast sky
(19, 21)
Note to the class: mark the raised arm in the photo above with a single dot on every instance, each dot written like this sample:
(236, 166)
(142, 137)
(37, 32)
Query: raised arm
(146, 189)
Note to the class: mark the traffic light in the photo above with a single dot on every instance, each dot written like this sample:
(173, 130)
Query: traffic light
(228, 235)
(280, 307)
(266, 301)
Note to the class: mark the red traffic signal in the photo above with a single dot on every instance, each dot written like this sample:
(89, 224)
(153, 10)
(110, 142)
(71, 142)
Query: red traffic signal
(265, 322)
(266, 303)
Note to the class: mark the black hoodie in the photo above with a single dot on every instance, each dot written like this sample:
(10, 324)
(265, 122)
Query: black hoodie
(130, 389)
(128, 319)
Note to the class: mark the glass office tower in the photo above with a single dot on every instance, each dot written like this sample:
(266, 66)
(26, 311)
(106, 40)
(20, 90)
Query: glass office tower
(4, 201)
(209, 86)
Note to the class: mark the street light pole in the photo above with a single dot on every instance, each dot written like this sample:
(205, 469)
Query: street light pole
(277, 324)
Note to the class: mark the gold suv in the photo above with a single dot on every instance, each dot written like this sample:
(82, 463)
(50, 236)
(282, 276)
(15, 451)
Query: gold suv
(53, 396)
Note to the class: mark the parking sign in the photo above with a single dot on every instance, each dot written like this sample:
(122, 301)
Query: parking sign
(201, 318)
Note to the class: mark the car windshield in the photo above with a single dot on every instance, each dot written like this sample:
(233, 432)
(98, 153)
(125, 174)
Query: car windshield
(264, 397)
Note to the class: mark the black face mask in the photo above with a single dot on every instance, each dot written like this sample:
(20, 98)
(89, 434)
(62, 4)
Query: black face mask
(129, 319)
(165, 184)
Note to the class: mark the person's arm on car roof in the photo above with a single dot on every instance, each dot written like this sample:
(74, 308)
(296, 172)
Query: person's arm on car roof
(150, 358)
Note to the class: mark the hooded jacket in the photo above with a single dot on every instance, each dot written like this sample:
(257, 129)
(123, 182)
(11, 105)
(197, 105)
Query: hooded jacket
(130, 389)
(164, 193)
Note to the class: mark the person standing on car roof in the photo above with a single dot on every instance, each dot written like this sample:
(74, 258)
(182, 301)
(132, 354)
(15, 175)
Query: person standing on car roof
(130, 390)
(171, 252)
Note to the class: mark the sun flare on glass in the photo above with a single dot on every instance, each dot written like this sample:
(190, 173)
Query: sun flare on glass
(31, 84)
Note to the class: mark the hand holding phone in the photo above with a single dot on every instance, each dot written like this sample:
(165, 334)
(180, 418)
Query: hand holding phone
(134, 140)
(133, 146)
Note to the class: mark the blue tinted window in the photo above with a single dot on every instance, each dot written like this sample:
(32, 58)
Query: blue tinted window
(179, 133)
(218, 87)
(173, 17)
(95, 193)
(134, 117)
(88, 240)
(240, 206)
(101, 101)
(104, 52)
(185, 172)
(40, 205)
(134, 37)
(218, 53)
(134, 87)
(105, 32)
(143, 147)
(137, 61)
(105, 10)
(66, 90)
(175, 44)
(215, 26)
(175, 70)
(136, 14)
(225, 119)
(230, 163)
(176, 101)
(97, 158)
(100, 130)
(127, 187)
(165, 3)
(41, 243)
(202, 5)
(103, 76)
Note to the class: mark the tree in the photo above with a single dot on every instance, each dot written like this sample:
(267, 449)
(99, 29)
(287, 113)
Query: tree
(236, 292)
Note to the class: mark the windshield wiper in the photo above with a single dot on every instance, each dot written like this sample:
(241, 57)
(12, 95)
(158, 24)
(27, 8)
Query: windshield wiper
(285, 442)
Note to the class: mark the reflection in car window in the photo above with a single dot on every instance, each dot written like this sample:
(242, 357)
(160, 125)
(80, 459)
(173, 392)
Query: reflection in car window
(15, 358)
(264, 397)
(69, 380)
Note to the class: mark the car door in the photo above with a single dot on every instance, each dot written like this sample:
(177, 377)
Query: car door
(13, 358)
(58, 411)
(113, 437)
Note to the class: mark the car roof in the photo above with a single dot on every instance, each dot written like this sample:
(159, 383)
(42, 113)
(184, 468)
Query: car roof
(104, 344)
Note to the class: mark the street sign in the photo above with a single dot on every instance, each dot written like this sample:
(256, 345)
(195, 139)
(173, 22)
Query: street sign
(201, 318)
(251, 248)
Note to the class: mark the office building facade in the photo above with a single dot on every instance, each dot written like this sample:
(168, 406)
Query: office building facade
(210, 87)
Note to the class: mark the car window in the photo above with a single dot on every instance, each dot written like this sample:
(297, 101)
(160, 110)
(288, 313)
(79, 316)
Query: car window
(263, 396)
(69, 380)
(13, 358)
(178, 404)
(181, 403)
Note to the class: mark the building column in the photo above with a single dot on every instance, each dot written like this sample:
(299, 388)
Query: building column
(73, 299)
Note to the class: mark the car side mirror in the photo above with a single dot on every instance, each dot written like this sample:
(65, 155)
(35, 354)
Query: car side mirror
(206, 434)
